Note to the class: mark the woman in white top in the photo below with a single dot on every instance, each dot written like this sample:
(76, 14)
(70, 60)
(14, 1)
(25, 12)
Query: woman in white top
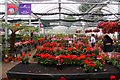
(92, 40)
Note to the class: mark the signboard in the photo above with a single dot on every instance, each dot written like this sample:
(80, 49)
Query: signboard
(12, 9)
(25, 9)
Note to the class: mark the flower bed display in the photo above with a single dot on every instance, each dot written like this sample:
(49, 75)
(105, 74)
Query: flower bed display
(90, 30)
(109, 27)
(64, 53)
(20, 47)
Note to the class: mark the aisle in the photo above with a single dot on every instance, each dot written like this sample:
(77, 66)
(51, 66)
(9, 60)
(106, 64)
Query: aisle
(8, 66)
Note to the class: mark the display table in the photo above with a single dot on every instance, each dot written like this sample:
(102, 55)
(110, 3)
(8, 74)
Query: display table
(43, 72)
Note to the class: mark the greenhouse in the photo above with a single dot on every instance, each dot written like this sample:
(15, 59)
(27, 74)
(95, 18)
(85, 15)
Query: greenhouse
(60, 39)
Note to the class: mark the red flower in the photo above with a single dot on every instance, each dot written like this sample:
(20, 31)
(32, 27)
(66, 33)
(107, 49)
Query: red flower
(37, 47)
(112, 77)
(73, 57)
(42, 56)
(62, 78)
(59, 48)
(93, 54)
(19, 58)
(50, 57)
(86, 61)
(107, 55)
(118, 58)
(96, 30)
(92, 64)
(109, 27)
(77, 46)
(54, 44)
(29, 55)
(89, 49)
(82, 56)
(57, 58)
(70, 49)
(61, 61)
(99, 57)
(68, 56)
(102, 55)
(88, 55)
(78, 58)
(23, 54)
(103, 62)
(39, 55)
(41, 39)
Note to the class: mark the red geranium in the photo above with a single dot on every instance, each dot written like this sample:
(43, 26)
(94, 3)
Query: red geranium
(82, 56)
(61, 61)
(86, 61)
(89, 49)
(70, 49)
(19, 58)
(109, 27)
(23, 54)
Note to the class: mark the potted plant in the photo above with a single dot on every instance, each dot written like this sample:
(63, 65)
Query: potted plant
(24, 58)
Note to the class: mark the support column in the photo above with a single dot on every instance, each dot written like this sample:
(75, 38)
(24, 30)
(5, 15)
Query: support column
(68, 29)
(39, 26)
(119, 18)
(29, 24)
(44, 31)
(6, 21)
(59, 12)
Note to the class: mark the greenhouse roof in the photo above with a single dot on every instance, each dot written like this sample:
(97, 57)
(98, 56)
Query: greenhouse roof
(56, 10)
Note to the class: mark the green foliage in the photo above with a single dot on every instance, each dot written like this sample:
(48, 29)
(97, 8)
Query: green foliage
(84, 7)
(6, 50)
(98, 64)
(96, 51)
(117, 64)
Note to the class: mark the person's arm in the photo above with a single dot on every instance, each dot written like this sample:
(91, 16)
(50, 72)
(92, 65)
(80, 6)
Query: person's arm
(108, 43)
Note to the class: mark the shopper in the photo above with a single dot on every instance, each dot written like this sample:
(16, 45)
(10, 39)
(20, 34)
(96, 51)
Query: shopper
(107, 44)
(92, 40)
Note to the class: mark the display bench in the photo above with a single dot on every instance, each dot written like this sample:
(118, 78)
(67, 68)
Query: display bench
(36, 71)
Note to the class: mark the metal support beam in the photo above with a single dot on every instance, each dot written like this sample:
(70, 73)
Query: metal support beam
(29, 24)
(6, 30)
(119, 19)
(99, 3)
(59, 11)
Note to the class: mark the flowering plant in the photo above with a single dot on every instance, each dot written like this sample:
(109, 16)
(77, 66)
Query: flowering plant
(88, 31)
(24, 58)
(89, 65)
(96, 30)
(109, 27)
(76, 53)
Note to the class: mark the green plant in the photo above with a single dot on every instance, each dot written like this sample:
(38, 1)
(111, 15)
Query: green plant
(96, 51)
(98, 64)
(117, 64)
